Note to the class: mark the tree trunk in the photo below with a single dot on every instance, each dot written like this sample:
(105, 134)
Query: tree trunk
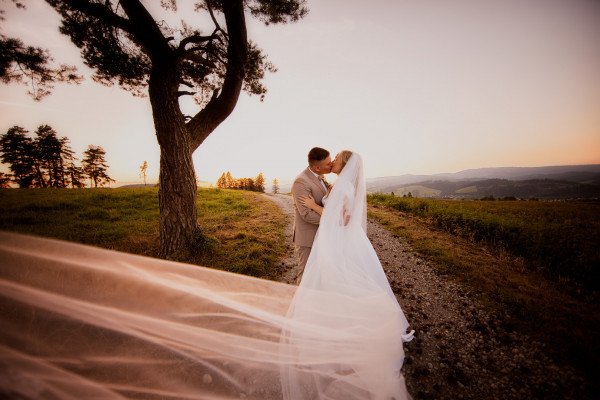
(177, 183)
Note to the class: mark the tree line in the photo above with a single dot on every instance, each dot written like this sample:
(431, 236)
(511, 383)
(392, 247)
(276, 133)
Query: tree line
(226, 181)
(47, 161)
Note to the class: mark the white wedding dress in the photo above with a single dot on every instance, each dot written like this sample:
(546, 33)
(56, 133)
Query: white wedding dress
(82, 322)
(346, 303)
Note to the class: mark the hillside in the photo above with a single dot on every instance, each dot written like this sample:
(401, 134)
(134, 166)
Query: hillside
(499, 188)
(558, 182)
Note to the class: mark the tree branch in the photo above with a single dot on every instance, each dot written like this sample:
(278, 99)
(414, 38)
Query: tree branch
(212, 16)
(221, 105)
(101, 12)
(197, 58)
(185, 93)
(145, 30)
(195, 39)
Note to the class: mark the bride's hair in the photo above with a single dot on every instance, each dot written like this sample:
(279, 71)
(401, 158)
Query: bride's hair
(345, 156)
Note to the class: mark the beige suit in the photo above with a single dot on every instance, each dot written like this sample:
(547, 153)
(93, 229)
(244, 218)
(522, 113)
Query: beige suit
(306, 221)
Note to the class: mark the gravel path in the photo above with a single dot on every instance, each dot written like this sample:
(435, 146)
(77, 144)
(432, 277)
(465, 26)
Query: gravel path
(460, 350)
(288, 264)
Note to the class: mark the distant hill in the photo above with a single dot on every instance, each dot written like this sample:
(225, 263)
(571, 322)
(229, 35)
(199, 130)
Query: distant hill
(553, 182)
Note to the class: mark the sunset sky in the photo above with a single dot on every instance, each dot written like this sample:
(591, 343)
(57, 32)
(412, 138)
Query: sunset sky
(415, 86)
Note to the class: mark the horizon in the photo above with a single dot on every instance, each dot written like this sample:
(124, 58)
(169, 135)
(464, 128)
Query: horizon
(270, 183)
(454, 90)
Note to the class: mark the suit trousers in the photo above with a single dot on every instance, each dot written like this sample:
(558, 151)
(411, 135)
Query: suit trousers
(302, 253)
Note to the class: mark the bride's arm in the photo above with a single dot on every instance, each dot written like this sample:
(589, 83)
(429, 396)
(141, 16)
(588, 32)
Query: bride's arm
(308, 201)
(346, 211)
(345, 214)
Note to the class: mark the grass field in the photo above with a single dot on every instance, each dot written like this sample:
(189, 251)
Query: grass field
(558, 239)
(244, 230)
(464, 240)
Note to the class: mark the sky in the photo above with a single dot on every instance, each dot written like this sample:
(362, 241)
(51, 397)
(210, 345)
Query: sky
(414, 86)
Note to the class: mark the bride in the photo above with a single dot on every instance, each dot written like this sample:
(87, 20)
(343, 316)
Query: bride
(344, 292)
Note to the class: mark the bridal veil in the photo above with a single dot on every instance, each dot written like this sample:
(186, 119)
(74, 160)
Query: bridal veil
(83, 322)
(347, 304)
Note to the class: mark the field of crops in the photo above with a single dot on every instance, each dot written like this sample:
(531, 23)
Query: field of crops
(559, 239)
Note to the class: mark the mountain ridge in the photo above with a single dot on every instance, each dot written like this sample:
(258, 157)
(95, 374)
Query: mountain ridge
(550, 182)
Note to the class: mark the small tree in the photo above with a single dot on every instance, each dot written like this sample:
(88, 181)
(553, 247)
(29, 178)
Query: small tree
(94, 166)
(18, 152)
(143, 169)
(229, 181)
(222, 182)
(51, 156)
(259, 183)
(275, 186)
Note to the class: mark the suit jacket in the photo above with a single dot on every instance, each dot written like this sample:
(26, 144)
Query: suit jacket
(306, 221)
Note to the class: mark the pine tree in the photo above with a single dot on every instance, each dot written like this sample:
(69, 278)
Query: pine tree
(275, 186)
(94, 166)
(18, 152)
(229, 181)
(51, 157)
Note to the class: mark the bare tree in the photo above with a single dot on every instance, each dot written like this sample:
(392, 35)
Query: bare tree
(143, 169)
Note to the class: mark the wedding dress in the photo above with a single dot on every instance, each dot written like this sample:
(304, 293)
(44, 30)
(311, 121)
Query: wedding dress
(83, 322)
(345, 292)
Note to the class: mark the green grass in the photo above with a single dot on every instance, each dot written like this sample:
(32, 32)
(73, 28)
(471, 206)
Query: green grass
(244, 230)
(249, 229)
(558, 239)
(109, 218)
(530, 300)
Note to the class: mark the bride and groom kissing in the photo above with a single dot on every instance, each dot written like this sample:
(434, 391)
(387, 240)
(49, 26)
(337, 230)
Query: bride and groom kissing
(342, 287)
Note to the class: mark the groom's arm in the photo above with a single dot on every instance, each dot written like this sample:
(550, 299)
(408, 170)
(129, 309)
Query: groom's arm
(308, 215)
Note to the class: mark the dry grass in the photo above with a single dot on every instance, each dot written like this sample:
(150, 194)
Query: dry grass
(530, 303)
(251, 240)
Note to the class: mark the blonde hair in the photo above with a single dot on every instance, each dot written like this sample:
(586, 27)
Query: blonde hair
(345, 156)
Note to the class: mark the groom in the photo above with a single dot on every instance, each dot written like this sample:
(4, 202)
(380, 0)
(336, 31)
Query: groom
(306, 221)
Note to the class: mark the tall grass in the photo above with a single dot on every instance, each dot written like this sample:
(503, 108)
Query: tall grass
(241, 231)
(558, 239)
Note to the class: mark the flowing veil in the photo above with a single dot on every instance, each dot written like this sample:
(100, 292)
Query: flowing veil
(83, 322)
